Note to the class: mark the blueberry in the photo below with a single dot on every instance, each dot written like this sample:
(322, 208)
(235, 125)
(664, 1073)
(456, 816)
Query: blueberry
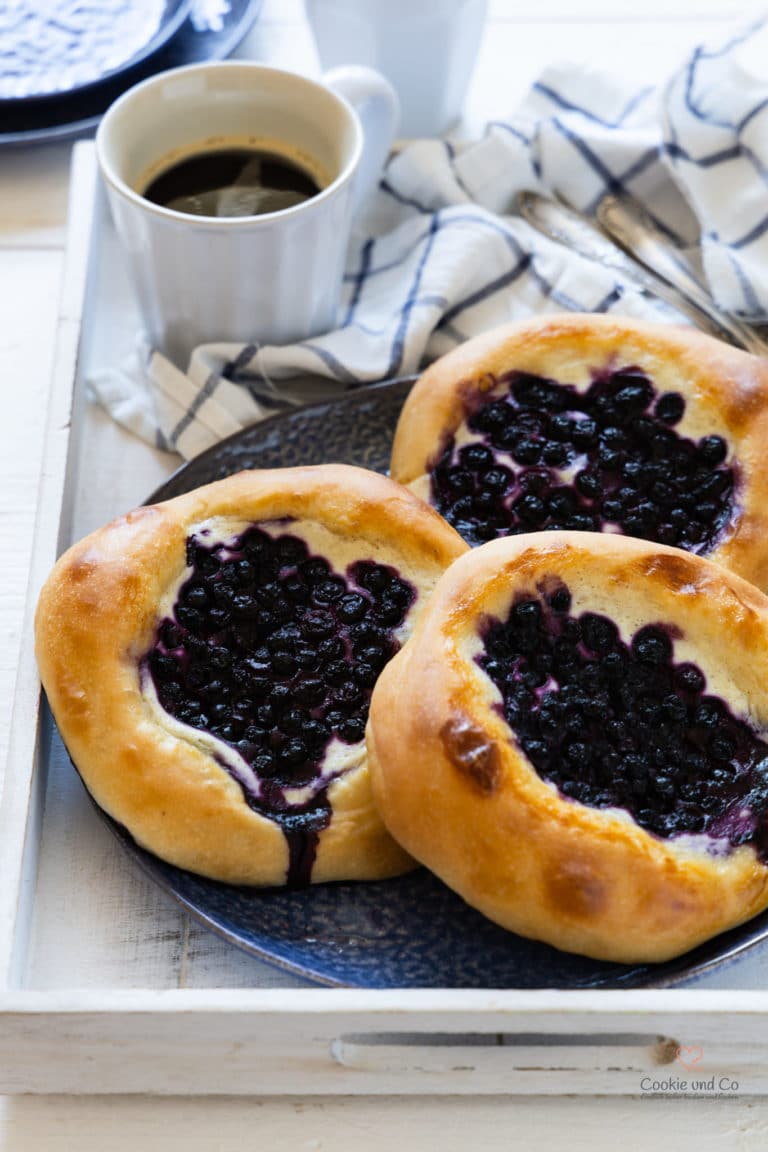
(535, 392)
(284, 663)
(292, 721)
(462, 508)
(361, 635)
(459, 481)
(310, 692)
(400, 592)
(195, 595)
(584, 433)
(256, 544)
(716, 484)
(372, 577)
(535, 480)
(556, 455)
(713, 450)
(366, 674)
(244, 573)
(218, 618)
(560, 600)
(317, 624)
(328, 591)
(191, 618)
(530, 509)
(265, 715)
(314, 733)
(171, 635)
(690, 678)
(223, 593)
(609, 459)
(535, 750)
(599, 633)
(652, 645)
(246, 605)
(707, 715)
(588, 483)
(163, 667)
(389, 612)
(722, 747)
(581, 522)
(289, 550)
(280, 697)
(507, 438)
(347, 693)
(527, 451)
(526, 615)
(496, 479)
(336, 671)
(484, 505)
(561, 502)
(476, 456)
(315, 569)
(293, 752)
(307, 659)
(669, 408)
(560, 427)
(492, 417)
(578, 754)
(351, 730)
(612, 437)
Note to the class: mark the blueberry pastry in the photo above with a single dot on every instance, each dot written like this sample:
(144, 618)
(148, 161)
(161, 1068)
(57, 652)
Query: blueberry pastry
(575, 739)
(596, 424)
(210, 661)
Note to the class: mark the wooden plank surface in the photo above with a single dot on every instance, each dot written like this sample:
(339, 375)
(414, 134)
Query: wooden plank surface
(122, 1124)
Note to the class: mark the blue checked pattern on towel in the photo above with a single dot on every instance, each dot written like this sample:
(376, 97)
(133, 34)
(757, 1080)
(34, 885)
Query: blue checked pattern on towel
(440, 255)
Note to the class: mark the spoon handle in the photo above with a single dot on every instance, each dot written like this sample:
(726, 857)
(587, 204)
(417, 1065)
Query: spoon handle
(579, 234)
(631, 228)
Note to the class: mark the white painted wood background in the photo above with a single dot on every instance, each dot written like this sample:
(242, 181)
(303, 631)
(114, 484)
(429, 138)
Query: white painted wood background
(136, 940)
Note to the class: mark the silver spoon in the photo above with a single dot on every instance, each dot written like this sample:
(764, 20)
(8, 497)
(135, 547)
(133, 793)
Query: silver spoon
(580, 234)
(630, 226)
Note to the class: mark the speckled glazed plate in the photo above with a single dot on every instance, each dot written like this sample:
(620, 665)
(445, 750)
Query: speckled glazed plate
(211, 30)
(57, 47)
(411, 931)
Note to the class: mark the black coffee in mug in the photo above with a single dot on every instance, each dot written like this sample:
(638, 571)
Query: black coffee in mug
(232, 182)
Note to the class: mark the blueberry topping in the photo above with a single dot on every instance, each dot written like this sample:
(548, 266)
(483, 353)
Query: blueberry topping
(669, 408)
(609, 457)
(276, 654)
(652, 645)
(617, 723)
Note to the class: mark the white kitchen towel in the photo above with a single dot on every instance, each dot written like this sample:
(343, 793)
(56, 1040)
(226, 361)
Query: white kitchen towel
(440, 254)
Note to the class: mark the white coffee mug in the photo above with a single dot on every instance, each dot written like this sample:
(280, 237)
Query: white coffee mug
(273, 278)
(425, 48)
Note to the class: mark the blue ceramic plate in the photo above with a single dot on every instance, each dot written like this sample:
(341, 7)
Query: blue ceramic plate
(211, 31)
(408, 932)
(58, 47)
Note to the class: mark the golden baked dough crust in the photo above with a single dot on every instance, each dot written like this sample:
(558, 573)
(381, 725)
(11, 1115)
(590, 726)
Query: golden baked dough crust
(98, 616)
(726, 394)
(457, 791)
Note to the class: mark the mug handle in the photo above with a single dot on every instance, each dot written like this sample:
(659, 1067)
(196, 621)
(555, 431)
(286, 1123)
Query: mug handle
(376, 103)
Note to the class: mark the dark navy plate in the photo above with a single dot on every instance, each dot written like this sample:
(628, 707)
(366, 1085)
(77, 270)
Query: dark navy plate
(58, 47)
(411, 931)
(212, 30)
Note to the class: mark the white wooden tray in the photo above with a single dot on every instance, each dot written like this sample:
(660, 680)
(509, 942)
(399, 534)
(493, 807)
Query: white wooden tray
(105, 987)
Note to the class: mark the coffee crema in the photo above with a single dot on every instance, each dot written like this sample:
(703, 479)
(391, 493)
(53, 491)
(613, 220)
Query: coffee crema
(235, 181)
